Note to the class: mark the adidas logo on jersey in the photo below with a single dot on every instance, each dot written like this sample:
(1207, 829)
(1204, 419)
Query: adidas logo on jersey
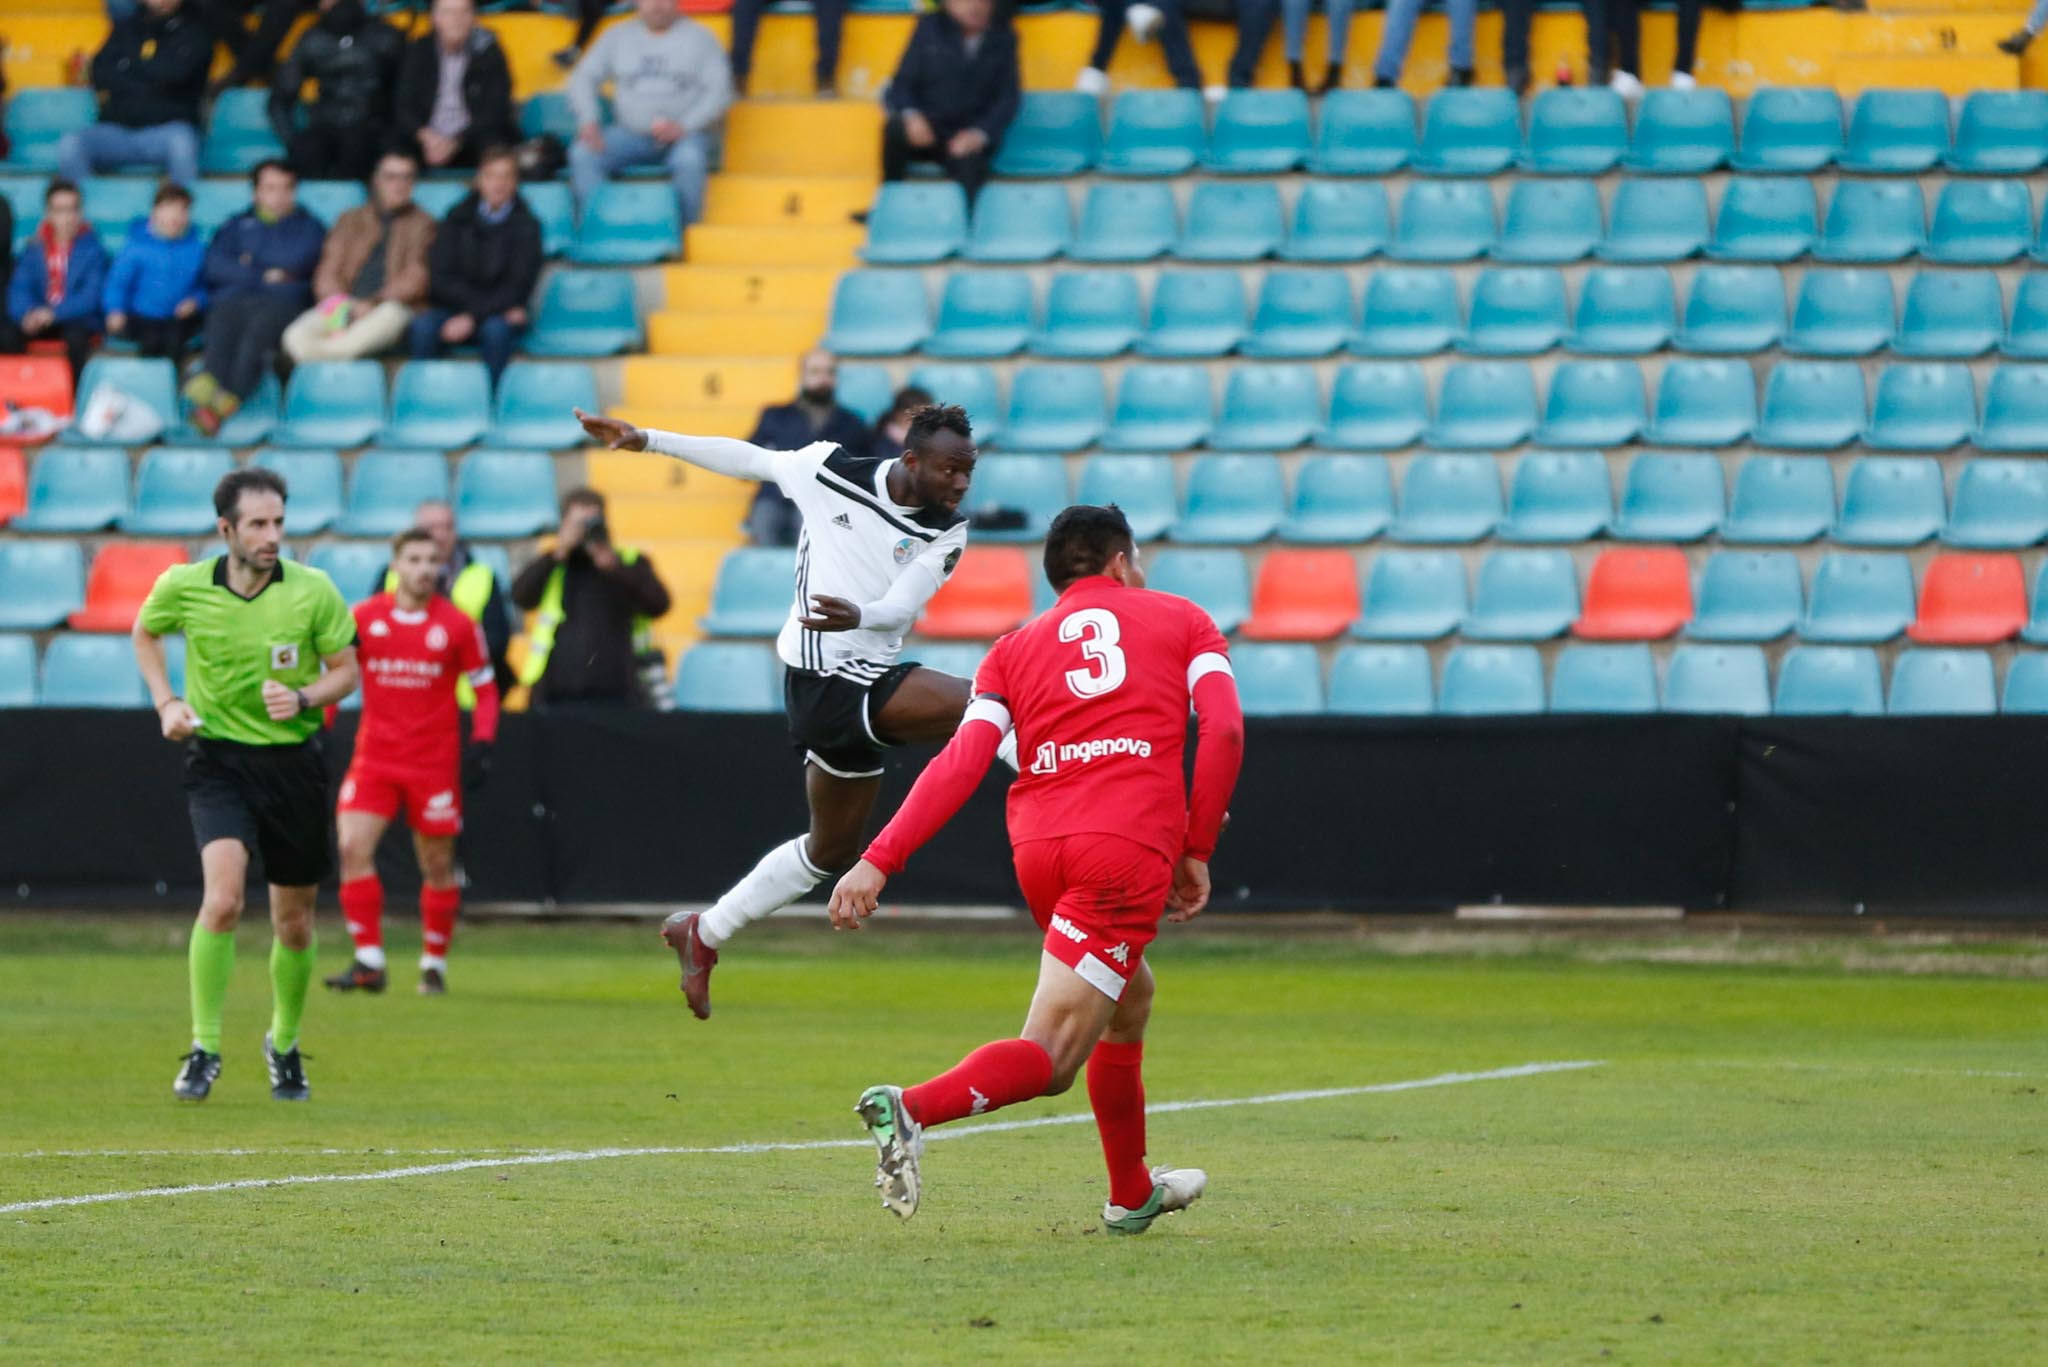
(842, 520)
(1069, 929)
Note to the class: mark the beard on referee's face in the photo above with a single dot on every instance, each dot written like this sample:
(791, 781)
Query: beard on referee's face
(255, 532)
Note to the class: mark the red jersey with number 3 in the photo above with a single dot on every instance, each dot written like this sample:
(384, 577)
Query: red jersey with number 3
(1098, 689)
(410, 662)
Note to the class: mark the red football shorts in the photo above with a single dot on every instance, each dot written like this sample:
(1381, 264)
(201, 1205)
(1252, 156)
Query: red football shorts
(1099, 899)
(432, 802)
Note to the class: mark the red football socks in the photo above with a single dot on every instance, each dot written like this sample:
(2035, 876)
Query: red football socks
(992, 1077)
(437, 919)
(362, 906)
(1116, 1093)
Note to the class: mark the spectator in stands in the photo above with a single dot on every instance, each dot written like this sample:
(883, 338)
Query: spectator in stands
(468, 582)
(150, 76)
(54, 292)
(953, 95)
(892, 433)
(1255, 23)
(156, 290)
(486, 258)
(2020, 39)
(259, 272)
(594, 602)
(829, 16)
(454, 91)
(1166, 18)
(372, 276)
(352, 60)
(1400, 31)
(6, 240)
(670, 85)
(814, 415)
(255, 53)
(1614, 44)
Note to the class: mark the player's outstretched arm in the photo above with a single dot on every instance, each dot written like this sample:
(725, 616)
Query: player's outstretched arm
(720, 455)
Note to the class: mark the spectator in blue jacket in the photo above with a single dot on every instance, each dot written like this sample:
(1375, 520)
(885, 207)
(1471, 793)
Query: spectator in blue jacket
(55, 289)
(259, 271)
(156, 290)
(953, 95)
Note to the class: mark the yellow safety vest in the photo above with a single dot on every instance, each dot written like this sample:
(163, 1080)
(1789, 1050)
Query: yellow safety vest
(471, 592)
(548, 618)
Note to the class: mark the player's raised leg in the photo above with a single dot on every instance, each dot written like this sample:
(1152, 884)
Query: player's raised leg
(928, 706)
(291, 974)
(210, 961)
(440, 901)
(362, 892)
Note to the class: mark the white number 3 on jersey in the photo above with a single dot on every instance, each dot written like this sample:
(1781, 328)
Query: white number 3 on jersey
(1097, 630)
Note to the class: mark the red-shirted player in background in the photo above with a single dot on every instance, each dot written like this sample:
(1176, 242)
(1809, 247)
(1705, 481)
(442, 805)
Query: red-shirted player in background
(414, 644)
(1106, 839)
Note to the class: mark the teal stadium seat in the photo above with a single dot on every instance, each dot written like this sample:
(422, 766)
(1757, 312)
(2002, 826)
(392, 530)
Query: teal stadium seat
(214, 202)
(1733, 310)
(1896, 133)
(2036, 630)
(1516, 311)
(1090, 315)
(1655, 221)
(2001, 133)
(1019, 224)
(552, 204)
(1409, 311)
(1747, 596)
(1469, 131)
(1682, 133)
(332, 404)
(1301, 314)
(314, 479)
(1153, 133)
(1950, 315)
(174, 492)
(1593, 403)
(328, 200)
(1873, 222)
(81, 670)
(1922, 408)
(1056, 408)
(1232, 221)
(1382, 681)
(1364, 133)
(1215, 581)
(1623, 311)
(17, 671)
(628, 223)
(1338, 220)
(1268, 408)
(1981, 223)
(1891, 501)
(547, 111)
(1523, 595)
(150, 382)
(1943, 683)
(353, 565)
(1259, 133)
(1377, 406)
(2015, 410)
(1765, 219)
(1125, 223)
(75, 489)
(1140, 485)
(972, 387)
(504, 493)
(250, 425)
(238, 133)
(1704, 403)
(439, 403)
(728, 676)
(1449, 220)
(1790, 130)
(2026, 335)
(437, 197)
(2026, 684)
(1549, 222)
(1160, 408)
(2000, 505)
(1604, 678)
(1558, 496)
(1055, 134)
(982, 314)
(584, 313)
(866, 389)
(1196, 314)
(1448, 498)
(1780, 501)
(41, 582)
(1576, 131)
(1812, 405)
(1484, 405)
(1670, 496)
(916, 222)
(1232, 501)
(1830, 681)
(112, 203)
(1486, 680)
(878, 313)
(1033, 486)
(1339, 500)
(534, 403)
(1718, 681)
(1412, 596)
(961, 659)
(1276, 680)
(37, 119)
(1842, 313)
(1858, 599)
(387, 485)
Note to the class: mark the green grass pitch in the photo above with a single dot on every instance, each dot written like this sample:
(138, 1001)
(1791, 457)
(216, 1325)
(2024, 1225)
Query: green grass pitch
(1791, 1162)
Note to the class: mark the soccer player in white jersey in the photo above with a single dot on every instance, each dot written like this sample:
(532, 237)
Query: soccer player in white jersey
(879, 539)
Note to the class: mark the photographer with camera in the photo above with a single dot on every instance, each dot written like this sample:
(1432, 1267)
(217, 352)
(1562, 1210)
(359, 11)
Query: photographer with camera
(596, 603)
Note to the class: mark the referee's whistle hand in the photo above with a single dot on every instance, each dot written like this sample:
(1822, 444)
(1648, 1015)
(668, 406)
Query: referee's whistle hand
(280, 702)
(618, 436)
(179, 721)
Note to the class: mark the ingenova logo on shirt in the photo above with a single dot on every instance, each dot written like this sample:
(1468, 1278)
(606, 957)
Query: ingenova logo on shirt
(1050, 756)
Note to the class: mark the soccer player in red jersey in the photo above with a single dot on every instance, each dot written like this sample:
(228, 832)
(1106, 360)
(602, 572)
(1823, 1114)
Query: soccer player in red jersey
(415, 645)
(1106, 838)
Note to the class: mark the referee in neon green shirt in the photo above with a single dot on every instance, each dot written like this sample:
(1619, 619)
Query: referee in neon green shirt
(258, 632)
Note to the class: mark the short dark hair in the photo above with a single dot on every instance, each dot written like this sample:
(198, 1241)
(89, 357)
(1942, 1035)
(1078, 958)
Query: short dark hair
(498, 152)
(271, 164)
(408, 537)
(909, 399)
(1083, 540)
(934, 418)
(170, 192)
(227, 495)
(583, 494)
(60, 186)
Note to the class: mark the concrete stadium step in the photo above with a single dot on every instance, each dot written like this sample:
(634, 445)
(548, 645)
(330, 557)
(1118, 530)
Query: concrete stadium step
(786, 201)
(689, 567)
(1950, 74)
(804, 138)
(637, 475)
(730, 290)
(642, 519)
(702, 420)
(677, 333)
(709, 244)
(664, 382)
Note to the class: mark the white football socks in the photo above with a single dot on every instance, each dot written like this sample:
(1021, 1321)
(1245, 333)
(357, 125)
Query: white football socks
(370, 956)
(784, 874)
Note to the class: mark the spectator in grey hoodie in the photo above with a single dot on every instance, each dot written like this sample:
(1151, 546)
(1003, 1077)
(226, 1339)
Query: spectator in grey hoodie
(670, 85)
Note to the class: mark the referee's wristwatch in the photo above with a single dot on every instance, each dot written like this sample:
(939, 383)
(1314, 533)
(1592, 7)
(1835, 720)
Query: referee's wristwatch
(300, 694)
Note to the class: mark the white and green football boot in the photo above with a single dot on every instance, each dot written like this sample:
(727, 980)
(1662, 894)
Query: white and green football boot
(1172, 1189)
(899, 1141)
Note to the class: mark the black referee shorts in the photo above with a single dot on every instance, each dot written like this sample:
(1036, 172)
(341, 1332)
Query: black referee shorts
(272, 798)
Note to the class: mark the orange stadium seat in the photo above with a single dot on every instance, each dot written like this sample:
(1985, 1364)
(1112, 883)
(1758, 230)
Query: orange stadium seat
(122, 575)
(1636, 595)
(988, 595)
(1303, 596)
(1971, 600)
(35, 382)
(13, 483)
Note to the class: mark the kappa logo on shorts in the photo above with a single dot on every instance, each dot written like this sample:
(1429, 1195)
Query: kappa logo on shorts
(1122, 954)
(441, 802)
(1067, 928)
(348, 790)
(284, 657)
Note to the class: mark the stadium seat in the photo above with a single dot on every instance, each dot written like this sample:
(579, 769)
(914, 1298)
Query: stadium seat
(1448, 220)
(878, 313)
(1232, 221)
(983, 314)
(1020, 224)
(332, 404)
(1339, 500)
(17, 671)
(1733, 310)
(1125, 223)
(1858, 599)
(13, 484)
(1055, 408)
(1268, 408)
(314, 479)
(1448, 498)
(1604, 678)
(1873, 222)
(972, 387)
(547, 111)
(1469, 131)
(628, 223)
(1523, 596)
(1213, 580)
(2015, 410)
(1950, 315)
(1780, 501)
(1364, 133)
(354, 566)
(122, 575)
(1999, 505)
(437, 197)
(1382, 681)
(1491, 681)
(1153, 133)
(1636, 594)
(1970, 599)
(1929, 683)
(728, 676)
(1980, 223)
(1655, 221)
(174, 492)
(112, 203)
(1593, 403)
(1922, 408)
(1704, 403)
(1891, 501)
(1747, 596)
(1160, 408)
(1278, 680)
(238, 133)
(1089, 315)
(1670, 497)
(916, 222)
(2001, 133)
(866, 389)
(584, 313)
(1681, 132)
(75, 489)
(1812, 405)
(1896, 132)
(1055, 133)
(504, 493)
(1377, 406)
(551, 203)
(1340, 221)
(1031, 486)
(1558, 496)
(1196, 314)
(1302, 314)
(439, 403)
(1259, 133)
(1623, 311)
(1232, 500)
(387, 485)
(1412, 596)
(1303, 596)
(534, 403)
(151, 383)
(37, 119)
(92, 671)
(41, 582)
(1140, 485)
(2026, 684)
(1765, 220)
(1484, 405)
(1830, 681)
(1549, 222)
(1576, 131)
(1793, 130)
(1842, 313)
(1408, 312)
(988, 595)
(35, 382)
(249, 425)
(1717, 681)
(1516, 311)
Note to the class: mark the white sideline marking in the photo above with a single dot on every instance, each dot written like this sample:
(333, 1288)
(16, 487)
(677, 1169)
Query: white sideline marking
(963, 1132)
(364, 1152)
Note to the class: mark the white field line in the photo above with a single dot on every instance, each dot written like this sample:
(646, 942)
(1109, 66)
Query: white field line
(963, 1132)
(1887, 1069)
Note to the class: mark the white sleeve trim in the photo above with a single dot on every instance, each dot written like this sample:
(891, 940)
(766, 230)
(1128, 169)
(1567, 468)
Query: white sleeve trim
(1205, 664)
(480, 676)
(989, 710)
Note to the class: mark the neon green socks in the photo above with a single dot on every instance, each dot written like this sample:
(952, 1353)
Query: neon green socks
(291, 973)
(211, 957)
